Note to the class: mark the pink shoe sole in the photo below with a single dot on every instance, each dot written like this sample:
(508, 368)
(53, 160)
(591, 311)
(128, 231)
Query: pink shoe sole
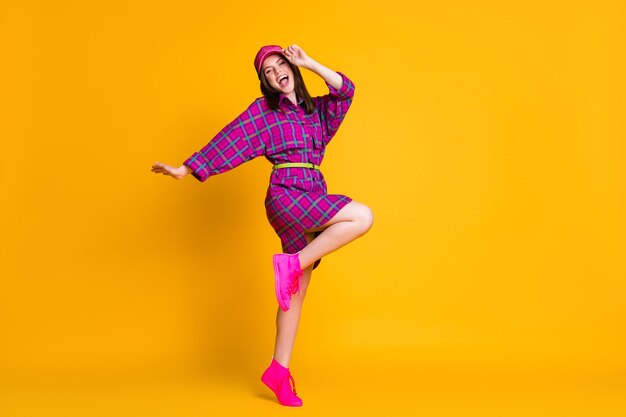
(282, 305)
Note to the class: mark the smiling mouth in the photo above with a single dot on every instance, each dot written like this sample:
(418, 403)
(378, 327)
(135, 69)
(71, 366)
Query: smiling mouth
(282, 81)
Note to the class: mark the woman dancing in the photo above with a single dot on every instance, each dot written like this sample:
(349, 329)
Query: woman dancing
(291, 129)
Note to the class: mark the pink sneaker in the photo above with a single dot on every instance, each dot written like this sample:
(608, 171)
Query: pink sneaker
(287, 277)
(279, 379)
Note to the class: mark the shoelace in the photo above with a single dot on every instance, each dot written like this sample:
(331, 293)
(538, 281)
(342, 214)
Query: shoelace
(292, 384)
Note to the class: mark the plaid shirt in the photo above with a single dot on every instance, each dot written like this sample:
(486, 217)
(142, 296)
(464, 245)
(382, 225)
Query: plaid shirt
(288, 136)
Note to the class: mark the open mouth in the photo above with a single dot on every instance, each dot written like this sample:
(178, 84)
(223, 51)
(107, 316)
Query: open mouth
(283, 81)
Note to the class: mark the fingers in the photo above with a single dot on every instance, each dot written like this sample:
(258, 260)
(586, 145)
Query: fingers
(292, 49)
(160, 165)
(159, 168)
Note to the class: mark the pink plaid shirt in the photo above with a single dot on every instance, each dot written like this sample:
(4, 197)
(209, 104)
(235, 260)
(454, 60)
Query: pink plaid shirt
(288, 136)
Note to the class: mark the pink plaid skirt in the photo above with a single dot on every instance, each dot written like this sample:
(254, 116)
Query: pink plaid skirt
(296, 200)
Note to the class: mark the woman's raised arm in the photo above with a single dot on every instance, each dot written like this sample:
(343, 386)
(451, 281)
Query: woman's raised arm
(297, 56)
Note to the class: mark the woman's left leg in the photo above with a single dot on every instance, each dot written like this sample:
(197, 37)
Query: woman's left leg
(287, 321)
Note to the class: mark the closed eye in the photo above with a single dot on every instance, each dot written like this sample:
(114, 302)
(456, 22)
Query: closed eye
(281, 62)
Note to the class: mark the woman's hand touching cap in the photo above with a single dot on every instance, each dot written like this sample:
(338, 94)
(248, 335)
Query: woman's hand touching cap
(296, 55)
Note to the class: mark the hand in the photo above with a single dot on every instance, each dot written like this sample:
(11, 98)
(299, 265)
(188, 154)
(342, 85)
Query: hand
(177, 173)
(296, 55)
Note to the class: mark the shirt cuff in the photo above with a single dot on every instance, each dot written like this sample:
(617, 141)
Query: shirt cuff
(198, 166)
(346, 90)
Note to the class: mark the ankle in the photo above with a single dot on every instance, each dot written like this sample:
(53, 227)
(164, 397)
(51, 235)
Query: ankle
(280, 362)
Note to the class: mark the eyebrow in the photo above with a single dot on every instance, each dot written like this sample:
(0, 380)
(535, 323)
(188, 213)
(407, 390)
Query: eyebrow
(277, 61)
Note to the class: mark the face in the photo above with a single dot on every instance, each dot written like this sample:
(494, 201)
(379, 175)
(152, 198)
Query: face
(278, 73)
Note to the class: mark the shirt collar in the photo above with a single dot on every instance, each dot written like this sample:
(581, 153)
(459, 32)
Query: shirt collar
(283, 98)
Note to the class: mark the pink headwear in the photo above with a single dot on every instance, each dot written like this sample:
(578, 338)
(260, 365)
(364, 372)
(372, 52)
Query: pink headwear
(263, 53)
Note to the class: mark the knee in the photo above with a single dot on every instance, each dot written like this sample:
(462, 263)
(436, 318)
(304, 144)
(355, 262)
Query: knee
(365, 219)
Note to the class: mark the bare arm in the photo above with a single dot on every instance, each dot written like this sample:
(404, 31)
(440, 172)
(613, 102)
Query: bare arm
(298, 57)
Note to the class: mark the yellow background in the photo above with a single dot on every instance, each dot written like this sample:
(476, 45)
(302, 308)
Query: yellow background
(488, 137)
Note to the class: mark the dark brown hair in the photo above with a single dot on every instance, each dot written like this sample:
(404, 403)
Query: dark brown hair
(272, 96)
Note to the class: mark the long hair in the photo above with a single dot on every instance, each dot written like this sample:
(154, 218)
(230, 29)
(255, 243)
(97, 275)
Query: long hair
(272, 96)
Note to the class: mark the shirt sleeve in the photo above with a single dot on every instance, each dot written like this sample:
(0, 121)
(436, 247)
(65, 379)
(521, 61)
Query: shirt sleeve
(238, 142)
(333, 107)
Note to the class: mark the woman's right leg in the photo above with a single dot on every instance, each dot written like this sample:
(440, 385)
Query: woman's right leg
(287, 321)
(352, 221)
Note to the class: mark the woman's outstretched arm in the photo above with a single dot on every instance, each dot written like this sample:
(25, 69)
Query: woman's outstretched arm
(238, 142)
(297, 56)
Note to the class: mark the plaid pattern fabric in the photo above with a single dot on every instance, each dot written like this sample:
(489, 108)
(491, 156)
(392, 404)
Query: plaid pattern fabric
(296, 198)
(295, 205)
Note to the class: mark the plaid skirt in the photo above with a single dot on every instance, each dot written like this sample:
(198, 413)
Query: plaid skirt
(294, 203)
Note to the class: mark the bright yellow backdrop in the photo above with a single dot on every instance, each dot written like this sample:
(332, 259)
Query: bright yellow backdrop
(488, 137)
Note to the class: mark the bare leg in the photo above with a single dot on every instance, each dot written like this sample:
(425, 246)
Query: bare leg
(352, 221)
(287, 321)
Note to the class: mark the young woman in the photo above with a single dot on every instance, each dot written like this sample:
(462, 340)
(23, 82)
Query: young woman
(291, 130)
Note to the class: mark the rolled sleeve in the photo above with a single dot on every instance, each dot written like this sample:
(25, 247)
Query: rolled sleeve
(347, 88)
(198, 166)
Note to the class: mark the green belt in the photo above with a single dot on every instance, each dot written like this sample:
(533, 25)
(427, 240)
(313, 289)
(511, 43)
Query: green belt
(296, 165)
